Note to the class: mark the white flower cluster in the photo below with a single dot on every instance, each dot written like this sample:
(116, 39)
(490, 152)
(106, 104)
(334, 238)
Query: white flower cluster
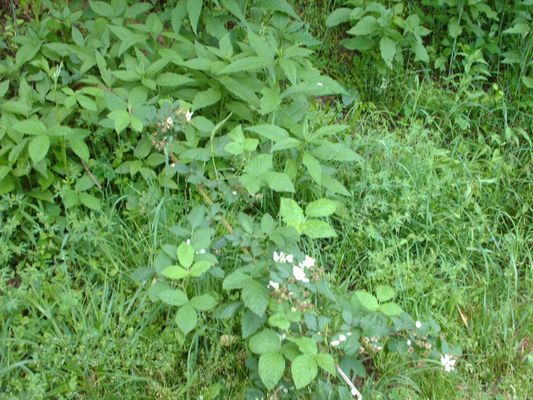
(448, 362)
(342, 338)
(298, 270)
(282, 258)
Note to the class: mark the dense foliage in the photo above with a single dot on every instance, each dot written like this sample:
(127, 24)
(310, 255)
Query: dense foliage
(176, 169)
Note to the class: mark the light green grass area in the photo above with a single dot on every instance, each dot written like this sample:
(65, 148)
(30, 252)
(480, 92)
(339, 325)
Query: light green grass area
(441, 210)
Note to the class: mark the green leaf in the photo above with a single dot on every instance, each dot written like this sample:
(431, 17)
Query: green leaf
(79, 148)
(527, 81)
(271, 368)
(200, 267)
(255, 296)
(203, 302)
(334, 185)
(260, 46)
(38, 148)
(385, 293)
(185, 254)
(258, 165)
(454, 28)
(366, 26)
(320, 208)
(387, 47)
(306, 345)
(194, 9)
(272, 132)
(367, 300)
(244, 64)
(278, 181)
(121, 119)
(520, 28)
(236, 280)
(390, 309)
(338, 16)
(291, 213)
(326, 362)
(317, 229)
(304, 369)
(175, 272)
(102, 8)
(239, 89)
(250, 323)
(313, 167)
(87, 103)
(270, 100)
(174, 297)
(4, 87)
(30, 127)
(205, 99)
(171, 79)
(15, 107)
(336, 152)
(186, 318)
(90, 201)
(266, 341)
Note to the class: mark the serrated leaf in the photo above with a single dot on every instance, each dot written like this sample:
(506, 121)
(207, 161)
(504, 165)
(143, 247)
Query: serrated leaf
(317, 229)
(200, 267)
(306, 345)
(250, 323)
(266, 341)
(338, 16)
(194, 9)
(175, 272)
(171, 79)
(391, 309)
(203, 302)
(244, 64)
(326, 362)
(102, 8)
(38, 148)
(270, 101)
(186, 318)
(205, 99)
(236, 280)
(185, 254)
(387, 46)
(336, 152)
(313, 167)
(269, 131)
(291, 213)
(385, 293)
(278, 181)
(320, 208)
(174, 297)
(79, 148)
(90, 201)
(255, 296)
(271, 367)
(30, 127)
(367, 300)
(304, 369)
(365, 26)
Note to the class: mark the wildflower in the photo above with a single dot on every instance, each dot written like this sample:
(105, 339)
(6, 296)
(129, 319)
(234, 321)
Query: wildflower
(335, 343)
(342, 338)
(418, 324)
(320, 84)
(290, 258)
(448, 362)
(170, 121)
(188, 241)
(234, 193)
(308, 262)
(173, 165)
(188, 116)
(273, 285)
(299, 274)
(201, 251)
(349, 334)
(408, 342)
(278, 257)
